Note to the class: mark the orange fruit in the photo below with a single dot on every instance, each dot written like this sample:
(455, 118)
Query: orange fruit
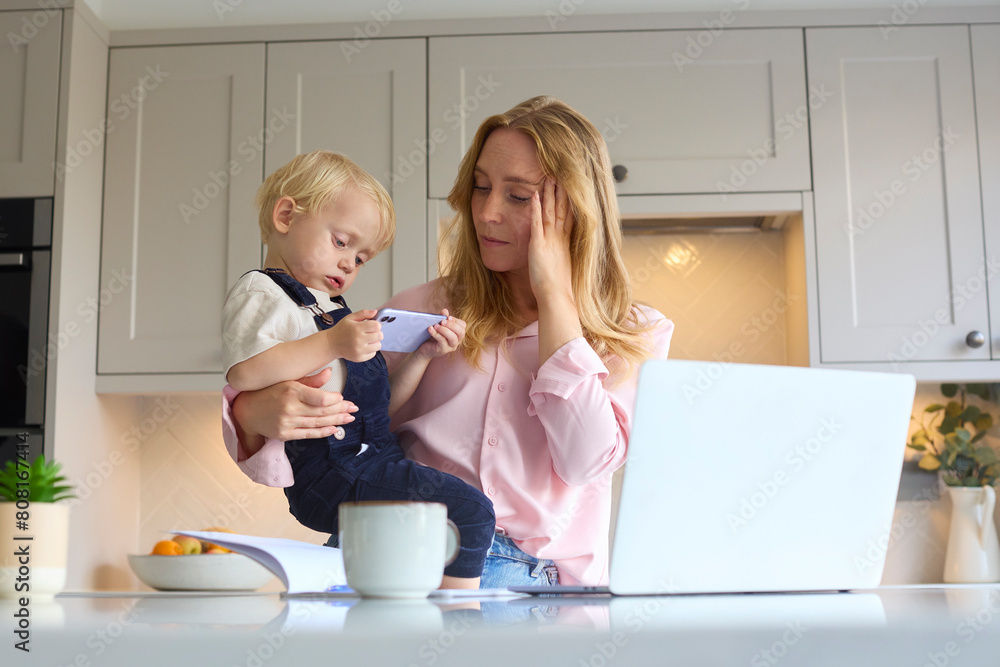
(167, 548)
(208, 547)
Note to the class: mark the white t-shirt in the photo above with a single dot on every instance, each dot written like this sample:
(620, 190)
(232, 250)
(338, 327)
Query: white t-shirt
(258, 315)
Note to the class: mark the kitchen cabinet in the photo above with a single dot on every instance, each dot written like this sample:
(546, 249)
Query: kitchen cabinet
(29, 106)
(683, 111)
(369, 104)
(184, 156)
(899, 232)
(986, 64)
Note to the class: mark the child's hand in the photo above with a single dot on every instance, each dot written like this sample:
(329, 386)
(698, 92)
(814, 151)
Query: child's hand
(445, 337)
(357, 337)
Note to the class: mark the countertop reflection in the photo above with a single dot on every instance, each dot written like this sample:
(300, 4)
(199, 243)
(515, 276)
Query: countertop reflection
(949, 625)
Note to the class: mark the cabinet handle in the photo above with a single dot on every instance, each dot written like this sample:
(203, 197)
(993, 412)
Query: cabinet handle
(12, 259)
(975, 339)
(619, 172)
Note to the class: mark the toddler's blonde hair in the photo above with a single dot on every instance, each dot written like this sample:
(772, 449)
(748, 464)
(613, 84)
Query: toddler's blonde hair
(313, 180)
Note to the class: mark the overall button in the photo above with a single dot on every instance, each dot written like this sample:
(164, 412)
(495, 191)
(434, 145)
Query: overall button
(493, 441)
(491, 491)
(339, 433)
(501, 387)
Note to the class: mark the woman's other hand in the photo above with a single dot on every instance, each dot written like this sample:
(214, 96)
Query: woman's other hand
(292, 410)
(445, 337)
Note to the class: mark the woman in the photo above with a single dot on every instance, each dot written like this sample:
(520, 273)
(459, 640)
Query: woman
(537, 408)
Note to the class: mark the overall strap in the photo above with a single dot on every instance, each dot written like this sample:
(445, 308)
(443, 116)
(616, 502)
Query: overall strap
(304, 298)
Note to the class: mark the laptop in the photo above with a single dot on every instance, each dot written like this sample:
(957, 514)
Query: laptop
(745, 478)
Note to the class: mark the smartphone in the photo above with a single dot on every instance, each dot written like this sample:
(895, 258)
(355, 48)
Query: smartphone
(405, 330)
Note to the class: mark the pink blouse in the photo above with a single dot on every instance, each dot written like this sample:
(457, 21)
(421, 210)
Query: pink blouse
(540, 442)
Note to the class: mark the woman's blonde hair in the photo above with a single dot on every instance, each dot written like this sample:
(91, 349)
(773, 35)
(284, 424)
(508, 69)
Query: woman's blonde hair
(313, 180)
(573, 153)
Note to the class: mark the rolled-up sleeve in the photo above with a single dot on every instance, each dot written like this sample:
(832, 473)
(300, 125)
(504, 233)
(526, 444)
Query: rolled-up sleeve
(270, 465)
(586, 423)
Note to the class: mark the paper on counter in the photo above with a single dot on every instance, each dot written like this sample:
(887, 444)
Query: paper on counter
(302, 567)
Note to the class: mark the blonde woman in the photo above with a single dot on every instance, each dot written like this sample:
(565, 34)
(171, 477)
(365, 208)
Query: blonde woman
(537, 407)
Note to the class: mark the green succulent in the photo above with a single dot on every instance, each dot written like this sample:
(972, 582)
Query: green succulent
(42, 480)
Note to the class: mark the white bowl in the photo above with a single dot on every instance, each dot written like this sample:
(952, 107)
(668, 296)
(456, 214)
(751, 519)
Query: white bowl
(200, 572)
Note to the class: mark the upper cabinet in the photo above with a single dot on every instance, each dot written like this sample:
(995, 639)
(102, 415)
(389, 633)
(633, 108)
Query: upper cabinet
(182, 167)
(899, 230)
(369, 104)
(29, 106)
(682, 111)
(986, 63)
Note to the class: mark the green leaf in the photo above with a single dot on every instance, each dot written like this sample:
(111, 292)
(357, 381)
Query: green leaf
(979, 436)
(971, 414)
(934, 407)
(949, 390)
(953, 409)
(948, 425)
(985, 456)
(929, 462)
(979, 389)
(919, 448)
(963, 434)
(985, 422)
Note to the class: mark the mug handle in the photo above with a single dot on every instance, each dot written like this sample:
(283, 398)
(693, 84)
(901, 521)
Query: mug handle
(989, 501)
(453, 543)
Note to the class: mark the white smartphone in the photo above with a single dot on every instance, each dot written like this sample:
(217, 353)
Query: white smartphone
(405, 330)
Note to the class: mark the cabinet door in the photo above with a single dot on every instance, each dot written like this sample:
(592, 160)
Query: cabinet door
(986, 64)
(370, 105)
(899, 237)
(682, 111)
(184, 159)
(29, 106)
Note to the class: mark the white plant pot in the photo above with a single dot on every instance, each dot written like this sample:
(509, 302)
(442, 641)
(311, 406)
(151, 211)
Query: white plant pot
(973, 549)
(41, 572)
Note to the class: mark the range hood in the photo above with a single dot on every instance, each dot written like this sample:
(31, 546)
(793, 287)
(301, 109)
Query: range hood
(716, 214)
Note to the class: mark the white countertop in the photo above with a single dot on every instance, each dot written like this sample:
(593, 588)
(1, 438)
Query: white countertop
(957, 625)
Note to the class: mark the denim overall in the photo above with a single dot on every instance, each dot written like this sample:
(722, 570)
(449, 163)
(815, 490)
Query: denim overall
(363, 460)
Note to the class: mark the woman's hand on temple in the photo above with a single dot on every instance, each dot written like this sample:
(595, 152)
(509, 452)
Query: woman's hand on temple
(292, 410)
(549, 261)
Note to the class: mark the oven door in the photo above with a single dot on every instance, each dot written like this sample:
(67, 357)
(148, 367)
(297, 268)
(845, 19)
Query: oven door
(24, 314)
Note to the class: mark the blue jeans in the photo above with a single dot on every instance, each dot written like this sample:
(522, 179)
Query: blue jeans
(506, 565)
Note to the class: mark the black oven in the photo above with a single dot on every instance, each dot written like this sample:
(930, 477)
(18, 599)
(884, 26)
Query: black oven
(25, 262)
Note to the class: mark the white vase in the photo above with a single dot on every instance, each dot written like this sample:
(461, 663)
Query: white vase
(973, 554)
(41, 572)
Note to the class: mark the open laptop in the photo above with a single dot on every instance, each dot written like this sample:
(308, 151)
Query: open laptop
(743, 478)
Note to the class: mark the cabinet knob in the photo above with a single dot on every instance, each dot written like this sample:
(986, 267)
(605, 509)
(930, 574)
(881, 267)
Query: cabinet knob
(619, 172)
(975, 339)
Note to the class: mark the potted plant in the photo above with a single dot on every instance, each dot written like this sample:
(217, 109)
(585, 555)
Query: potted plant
(950, 438)
(34, 528)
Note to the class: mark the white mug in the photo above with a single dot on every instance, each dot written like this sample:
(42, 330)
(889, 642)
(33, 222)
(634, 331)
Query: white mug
(396, 549)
